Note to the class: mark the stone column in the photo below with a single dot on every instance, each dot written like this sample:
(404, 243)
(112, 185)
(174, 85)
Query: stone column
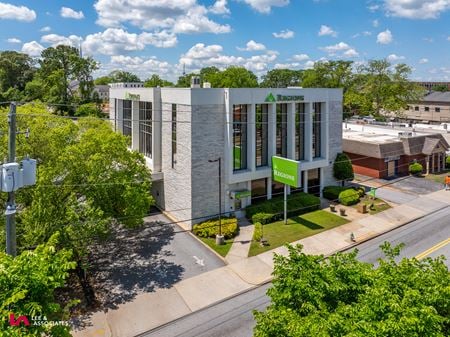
(428, 165)
(251, 139)
(305, 181)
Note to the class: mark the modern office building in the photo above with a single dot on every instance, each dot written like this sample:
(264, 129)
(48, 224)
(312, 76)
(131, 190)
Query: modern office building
(181, 131)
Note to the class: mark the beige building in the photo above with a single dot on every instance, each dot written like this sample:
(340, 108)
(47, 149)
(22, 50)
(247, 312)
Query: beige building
(434, 108)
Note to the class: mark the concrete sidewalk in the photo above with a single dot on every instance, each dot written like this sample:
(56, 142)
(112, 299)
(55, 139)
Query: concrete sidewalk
(150, 310)
(241, 243)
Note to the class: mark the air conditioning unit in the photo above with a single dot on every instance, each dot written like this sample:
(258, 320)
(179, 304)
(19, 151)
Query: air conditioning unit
(405, 134)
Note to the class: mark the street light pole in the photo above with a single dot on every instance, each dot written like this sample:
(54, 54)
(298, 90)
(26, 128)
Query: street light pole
(220, 240)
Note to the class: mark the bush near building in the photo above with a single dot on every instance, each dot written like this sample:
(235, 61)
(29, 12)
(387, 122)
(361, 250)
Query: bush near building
(415, 168)
(332, 192)
(447, 162)
(342, 168)
(272, 210)
(349, 197)
(210, 228)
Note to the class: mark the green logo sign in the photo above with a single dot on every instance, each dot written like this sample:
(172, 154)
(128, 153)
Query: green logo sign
(286, 171)
(133, 97)
(283, 98)
(270, 98)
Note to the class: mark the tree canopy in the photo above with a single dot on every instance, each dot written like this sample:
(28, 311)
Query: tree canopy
(341, 296)
(342, 168)
(282, 78)
(156, 81)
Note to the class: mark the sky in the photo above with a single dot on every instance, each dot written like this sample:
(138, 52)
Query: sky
(165, 37)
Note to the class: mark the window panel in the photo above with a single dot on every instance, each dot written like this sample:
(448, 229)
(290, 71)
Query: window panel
(300, 131)
(239, 137)
(281, 134)
(145, 128)
(261, 134)
(126, 119)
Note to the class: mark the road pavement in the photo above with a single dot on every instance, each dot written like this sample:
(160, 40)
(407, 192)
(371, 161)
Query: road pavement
(234, 317)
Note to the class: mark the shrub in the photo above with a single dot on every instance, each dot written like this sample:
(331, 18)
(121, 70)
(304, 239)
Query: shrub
(257, 234)
(210, 228)
(298, 203)
(361, 191)
(332, 192)
(342, 168)
(349, 197)
(263, 218)
(447, 162)
(415, 168)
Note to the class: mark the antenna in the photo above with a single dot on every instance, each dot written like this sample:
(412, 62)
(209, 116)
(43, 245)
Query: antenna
(81, 51)
(184, 69)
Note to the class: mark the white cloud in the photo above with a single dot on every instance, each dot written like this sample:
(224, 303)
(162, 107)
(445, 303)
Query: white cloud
(341, 49)
(375, 23)
(309, 64)
(326, 30)
(114, 41)
(141, 65)
(20, 13)
(55, 40)
(394, 58)
(364, 33)
(32, 48)
(45, 29)
(179, 16)
(13, 40)
(423, 61)
(416, 9)
(373, 8)
(284, 34)
(265, 6)
(219, 7)
(448, 38)
(252, 46)
(300, 57)
(69, 13)
(385, 37)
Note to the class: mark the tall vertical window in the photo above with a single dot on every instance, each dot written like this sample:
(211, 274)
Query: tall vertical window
(239, 137)
(261, 135)
(126, 118)
(282, 130)
(317, 133)
(174, 135)
(116, 111)
(300, 131)
(145, 128)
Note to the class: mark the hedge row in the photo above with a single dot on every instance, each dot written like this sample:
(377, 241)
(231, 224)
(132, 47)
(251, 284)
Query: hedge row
(333, 192)
(210, 228)
(272, 210)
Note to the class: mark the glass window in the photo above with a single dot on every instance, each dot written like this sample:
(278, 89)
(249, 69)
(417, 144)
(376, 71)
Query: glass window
(300, 131)
(281, 130)
(427, 108)
(437, 109)
(261, 135)
(314, 182)
(174, 135)
(259, 190)
(239, 137)
(277, 189)
(145, 128)
(416, 108)
(317, 130)
(126, 120)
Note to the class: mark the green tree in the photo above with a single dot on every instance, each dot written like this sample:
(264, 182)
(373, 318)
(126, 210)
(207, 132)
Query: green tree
(156, 81)
(89, 109)
(282, 78)
(28, 283)
(235, 77)
(16, 70)
(329, 74)
(63, 72)
(184, 81)
(440, 87)
(341, 296)
(119, 76)
(208, 74)
(342, 168)
(103, 80)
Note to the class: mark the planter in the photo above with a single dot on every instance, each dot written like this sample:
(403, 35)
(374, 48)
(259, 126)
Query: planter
(362, 208)
(342, 211)
(333, 208)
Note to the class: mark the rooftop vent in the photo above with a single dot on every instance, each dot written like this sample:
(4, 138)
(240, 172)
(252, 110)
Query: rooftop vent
(195, 82)
(206, 85)
(405, 134)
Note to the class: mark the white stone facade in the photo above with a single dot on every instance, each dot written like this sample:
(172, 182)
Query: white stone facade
(188, 189)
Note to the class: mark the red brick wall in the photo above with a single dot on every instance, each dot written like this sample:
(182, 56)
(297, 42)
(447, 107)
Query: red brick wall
(372, 167)
(405, 161)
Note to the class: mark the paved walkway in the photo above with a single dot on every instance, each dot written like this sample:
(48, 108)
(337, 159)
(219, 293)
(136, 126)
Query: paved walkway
(241, 243)
(150, 310)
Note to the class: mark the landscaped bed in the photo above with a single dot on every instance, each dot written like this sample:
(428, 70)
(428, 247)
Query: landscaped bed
(222, 250)
(298, 227)
(379, 205)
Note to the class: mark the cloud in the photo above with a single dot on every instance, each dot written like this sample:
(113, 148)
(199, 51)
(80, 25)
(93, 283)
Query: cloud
(394, 58)
(32, 48)
(385, 37)
(13, 40)
(423, 61)
(265, 6)
(364, 33)
(45, 29)
(253, 46)
(114, 41)
(300, 57)
(416, 9)
(326, 30)
(448, 38)
(341, 49)
(69, 13)
(56, 40)
(284, 34)
(179, 16)
(373, 8)
(219, 7)
(20, 13)
(141, 65)
(375, 23)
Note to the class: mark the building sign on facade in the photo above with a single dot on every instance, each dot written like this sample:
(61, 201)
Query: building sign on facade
(132, 97)
(286, 171)
(283, 98)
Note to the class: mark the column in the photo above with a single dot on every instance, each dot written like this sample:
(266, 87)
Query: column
(305, 181)
(291, 131)
(308, 132)
(251, 137)
(135, 125)
(269, 188)
(119, 115)
(325, 126)
(428, 165)
(443, 161)
(322, 179)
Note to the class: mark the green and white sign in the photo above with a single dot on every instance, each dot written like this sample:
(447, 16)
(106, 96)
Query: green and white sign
(132, 97)
(283, 98)
(286, 171)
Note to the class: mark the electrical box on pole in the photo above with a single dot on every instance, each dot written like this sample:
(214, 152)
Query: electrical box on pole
(28, 172)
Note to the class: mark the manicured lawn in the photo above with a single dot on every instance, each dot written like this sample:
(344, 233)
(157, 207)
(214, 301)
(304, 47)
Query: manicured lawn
(299, 227)
(221, 250)
(438, 177)
(379, 205)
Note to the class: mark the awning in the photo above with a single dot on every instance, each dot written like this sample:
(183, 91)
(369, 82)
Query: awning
(241, 194)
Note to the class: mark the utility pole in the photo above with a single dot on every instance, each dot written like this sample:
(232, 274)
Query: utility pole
(220, 240)
(10, 213)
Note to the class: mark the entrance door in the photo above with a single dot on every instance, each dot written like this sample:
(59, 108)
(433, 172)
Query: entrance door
(391, 168)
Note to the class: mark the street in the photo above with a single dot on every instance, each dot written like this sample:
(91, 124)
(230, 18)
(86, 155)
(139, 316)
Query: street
(233, 317)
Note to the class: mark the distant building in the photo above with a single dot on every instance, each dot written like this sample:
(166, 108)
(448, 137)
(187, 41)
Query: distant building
(430, 85)
(102, 91)
(382, 152)
(433, 108)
